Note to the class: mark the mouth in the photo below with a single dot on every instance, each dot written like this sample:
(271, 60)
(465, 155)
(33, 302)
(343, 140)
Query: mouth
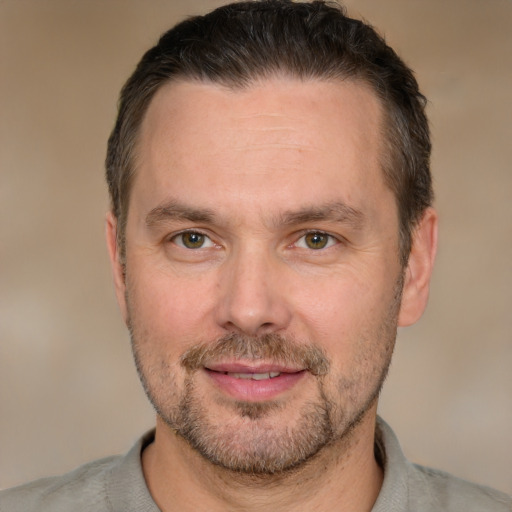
(253, 383)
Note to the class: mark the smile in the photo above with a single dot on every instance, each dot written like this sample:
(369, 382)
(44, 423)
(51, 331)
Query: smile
(253, 384)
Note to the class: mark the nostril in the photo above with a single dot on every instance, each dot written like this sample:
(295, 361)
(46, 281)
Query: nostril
(250, 330)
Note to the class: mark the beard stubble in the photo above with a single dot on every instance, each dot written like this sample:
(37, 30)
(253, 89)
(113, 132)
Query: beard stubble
(253, 444)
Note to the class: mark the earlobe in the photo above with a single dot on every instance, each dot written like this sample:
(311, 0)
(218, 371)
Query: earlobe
(419, 269)
(115, 262)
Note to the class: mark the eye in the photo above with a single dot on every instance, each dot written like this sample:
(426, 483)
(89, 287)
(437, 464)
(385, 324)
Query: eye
(315, 240)
(192, 240)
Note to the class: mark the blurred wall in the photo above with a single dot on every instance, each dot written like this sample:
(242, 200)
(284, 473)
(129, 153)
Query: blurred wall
(68, 391)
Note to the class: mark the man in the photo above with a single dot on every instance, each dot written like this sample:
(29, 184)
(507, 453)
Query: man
(271, 226)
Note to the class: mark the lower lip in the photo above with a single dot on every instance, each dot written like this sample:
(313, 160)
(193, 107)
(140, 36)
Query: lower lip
(250, 390)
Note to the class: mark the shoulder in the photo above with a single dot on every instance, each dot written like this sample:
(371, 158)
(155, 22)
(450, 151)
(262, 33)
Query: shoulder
(85, 488)
(408, 486)
(448, 493)
(113, 484)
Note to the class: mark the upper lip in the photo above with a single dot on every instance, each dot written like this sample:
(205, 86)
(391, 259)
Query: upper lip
(241, 367)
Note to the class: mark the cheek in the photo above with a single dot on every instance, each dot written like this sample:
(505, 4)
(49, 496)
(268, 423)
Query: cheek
(331, 305)
(169, 310)
(345, 315)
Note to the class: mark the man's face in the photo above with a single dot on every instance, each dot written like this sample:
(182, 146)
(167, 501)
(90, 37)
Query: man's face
(262, 271)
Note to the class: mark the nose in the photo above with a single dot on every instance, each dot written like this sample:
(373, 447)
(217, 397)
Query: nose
(253, 297)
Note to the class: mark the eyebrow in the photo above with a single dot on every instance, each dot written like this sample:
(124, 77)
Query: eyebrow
(174, 210)
(331, 212)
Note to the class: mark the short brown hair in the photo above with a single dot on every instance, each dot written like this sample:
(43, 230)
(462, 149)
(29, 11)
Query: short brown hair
(240, 42)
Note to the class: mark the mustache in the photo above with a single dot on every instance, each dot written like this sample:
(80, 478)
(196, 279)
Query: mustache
(272, 347)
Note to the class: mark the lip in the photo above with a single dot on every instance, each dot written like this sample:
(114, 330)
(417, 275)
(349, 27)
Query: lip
(246, 367)
(250, 390)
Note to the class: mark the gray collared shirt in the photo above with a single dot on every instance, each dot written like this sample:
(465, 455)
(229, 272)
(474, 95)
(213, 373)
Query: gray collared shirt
(116, 484)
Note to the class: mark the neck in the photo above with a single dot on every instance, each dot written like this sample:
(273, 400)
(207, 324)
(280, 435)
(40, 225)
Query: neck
(343, 476)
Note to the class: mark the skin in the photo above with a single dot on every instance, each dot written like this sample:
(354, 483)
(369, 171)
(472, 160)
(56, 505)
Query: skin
(261, 173)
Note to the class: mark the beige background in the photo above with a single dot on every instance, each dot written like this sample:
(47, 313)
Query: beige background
(68, 392)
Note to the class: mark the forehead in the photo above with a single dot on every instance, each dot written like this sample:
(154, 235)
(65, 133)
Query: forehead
(276, 136)
(191, 107)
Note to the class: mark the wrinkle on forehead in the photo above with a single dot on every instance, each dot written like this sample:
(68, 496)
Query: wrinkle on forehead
(282, 105)
(273, 145)
(269, 130)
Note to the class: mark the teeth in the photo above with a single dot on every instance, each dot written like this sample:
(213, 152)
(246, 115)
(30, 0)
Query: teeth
(260, 376)
(254, 376)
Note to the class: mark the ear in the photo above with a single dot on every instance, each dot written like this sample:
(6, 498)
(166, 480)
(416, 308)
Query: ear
(115, 262)
(419, 269)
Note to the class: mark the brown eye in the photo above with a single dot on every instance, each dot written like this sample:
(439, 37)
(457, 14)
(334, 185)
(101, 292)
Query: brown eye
(315, 240)
(192, 240)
